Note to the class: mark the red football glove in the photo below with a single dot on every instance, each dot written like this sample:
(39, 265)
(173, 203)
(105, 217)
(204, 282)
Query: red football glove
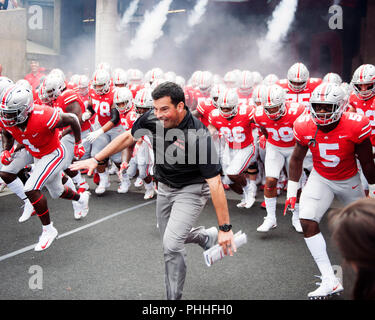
(291, 196)
(79, 150)
(290, 204)
(6, 157)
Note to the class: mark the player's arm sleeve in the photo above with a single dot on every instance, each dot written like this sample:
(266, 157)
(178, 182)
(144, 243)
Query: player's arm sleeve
(115, 116)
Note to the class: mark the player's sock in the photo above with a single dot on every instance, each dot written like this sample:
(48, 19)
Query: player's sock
(17, 187)
(271, 207)
(317, 247)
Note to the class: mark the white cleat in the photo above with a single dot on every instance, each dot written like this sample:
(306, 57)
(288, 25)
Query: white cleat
(267, 225)
(149, 194)
(124, 186)
(113, 169)
(328, 287)
(81, 207)
(84, 186)
(100, 189)
(2, 186)
(28, 211)
(297, 225)
(46, 239)
(138, 183)
(249, 202)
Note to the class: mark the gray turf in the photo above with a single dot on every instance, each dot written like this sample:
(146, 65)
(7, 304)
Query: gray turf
(121, 258)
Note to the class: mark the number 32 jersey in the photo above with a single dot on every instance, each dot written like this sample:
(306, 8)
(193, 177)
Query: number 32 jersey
(334, 152)
(236, 131)
(280, 132)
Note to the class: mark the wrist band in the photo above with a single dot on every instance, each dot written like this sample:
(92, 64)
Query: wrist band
(97, 161)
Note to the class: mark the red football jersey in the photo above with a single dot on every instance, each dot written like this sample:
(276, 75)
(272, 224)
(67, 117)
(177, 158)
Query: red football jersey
(200, 96)
(334, 152)
(134, 88)
(367, 108)
(244, 99)
(304, 95)
(40, 137)
(280, 132)
(205, 107)
(102, 105)
(189, 96)
(65, 99)
(237, 130)
(128, 119)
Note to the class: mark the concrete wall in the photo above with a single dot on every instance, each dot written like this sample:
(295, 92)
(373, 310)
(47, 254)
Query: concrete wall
(107, 36)
(13, 33)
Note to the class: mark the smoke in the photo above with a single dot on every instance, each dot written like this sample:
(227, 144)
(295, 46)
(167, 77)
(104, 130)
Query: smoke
(142, 46)
(128, 14)
(193, 19)
(278, 27)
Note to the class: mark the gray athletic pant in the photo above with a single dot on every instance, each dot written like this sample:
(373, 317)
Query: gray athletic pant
(177, 211)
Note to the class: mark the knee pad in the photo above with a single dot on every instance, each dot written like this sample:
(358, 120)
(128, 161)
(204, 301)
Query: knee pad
(253, 168)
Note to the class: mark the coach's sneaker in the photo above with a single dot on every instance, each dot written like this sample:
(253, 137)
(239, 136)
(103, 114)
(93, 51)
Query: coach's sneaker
(48, 235)
(327, 288)
(138, 183)
(28, 211)
(211, 238)
(267, 225)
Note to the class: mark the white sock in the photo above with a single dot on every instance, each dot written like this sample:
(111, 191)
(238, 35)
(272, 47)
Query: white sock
(17, 187)
(47, 227)
(296, 212)
(104, 175)
(69, 183)
(78, 179)
(317, 247)
(271, 207)
(149, 186)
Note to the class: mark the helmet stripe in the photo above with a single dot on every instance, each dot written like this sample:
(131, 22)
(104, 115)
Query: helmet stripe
(6, 94)
(298, 71)
(361, 73)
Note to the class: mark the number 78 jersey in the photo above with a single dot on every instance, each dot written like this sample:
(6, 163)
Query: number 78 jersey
(102, 105)
(236, 131)
(280, 132)
(334, 152)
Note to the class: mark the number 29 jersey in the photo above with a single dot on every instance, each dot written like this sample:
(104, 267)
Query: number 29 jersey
(334, 152)
(236, 131)
(280, 132)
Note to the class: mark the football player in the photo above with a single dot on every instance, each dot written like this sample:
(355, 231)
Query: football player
(335, 138)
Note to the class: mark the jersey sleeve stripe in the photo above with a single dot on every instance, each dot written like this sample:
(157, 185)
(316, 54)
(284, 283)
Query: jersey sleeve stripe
(52, 122)
(70, 99)
(363, 134)
(365, 127)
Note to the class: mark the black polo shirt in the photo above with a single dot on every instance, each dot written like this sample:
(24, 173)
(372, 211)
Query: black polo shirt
(183, 155)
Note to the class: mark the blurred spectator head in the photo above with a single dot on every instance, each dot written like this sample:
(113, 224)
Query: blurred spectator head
(353, 229)
(34, 66)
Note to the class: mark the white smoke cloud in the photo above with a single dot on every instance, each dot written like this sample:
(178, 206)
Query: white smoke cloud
(128, 14)
(194, 18)
(278, 27)
(142, 46)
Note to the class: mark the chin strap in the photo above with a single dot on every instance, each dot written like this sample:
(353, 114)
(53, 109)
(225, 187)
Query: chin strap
(313, 140)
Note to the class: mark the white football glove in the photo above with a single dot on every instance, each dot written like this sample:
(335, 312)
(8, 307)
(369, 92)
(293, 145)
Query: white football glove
(86, 116)
(92, 136)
